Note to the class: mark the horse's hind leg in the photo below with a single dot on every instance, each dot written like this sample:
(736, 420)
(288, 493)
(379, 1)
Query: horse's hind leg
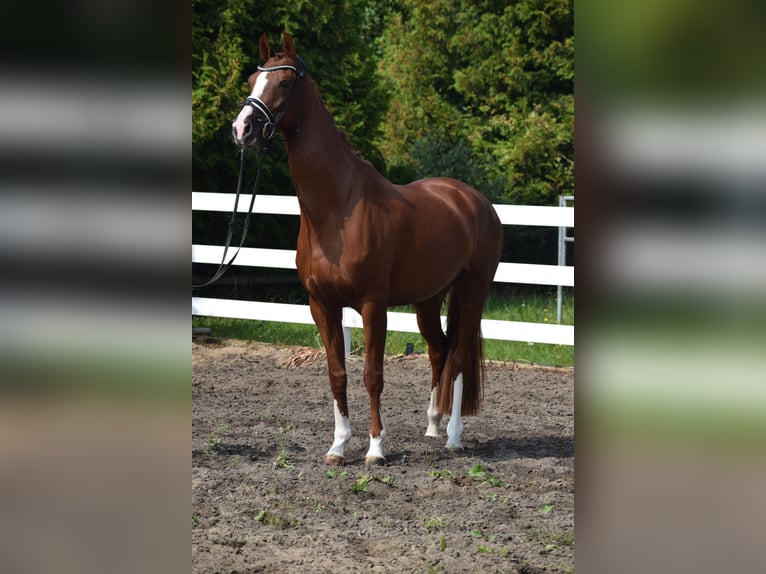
(331, 331)
(429, 323)
(463, 373)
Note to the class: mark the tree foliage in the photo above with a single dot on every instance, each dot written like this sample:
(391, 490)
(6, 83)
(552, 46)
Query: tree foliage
(340, 60)
(481, 90)
(497, 77)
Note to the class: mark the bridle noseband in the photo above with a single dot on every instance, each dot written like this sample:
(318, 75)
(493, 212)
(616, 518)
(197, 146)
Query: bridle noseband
(259, 107)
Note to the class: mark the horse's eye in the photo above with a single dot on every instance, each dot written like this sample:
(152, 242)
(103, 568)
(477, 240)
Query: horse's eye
(284, 84)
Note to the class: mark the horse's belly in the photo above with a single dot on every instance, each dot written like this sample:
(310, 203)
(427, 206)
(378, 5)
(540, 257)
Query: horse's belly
(413, 284)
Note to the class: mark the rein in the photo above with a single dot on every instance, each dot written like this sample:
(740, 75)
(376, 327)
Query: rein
(223, 267)
(268, 132)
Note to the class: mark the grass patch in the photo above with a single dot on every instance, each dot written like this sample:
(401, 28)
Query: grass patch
(550, 540)
(276, 520)
(526, 308)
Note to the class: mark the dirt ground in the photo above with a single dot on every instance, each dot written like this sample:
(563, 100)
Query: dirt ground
(264, 501)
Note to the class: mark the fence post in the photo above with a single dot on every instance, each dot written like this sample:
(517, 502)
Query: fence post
(563, 239)
(346, 333)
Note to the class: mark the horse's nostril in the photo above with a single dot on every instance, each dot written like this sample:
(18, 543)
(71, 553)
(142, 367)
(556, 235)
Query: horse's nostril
(248, 128)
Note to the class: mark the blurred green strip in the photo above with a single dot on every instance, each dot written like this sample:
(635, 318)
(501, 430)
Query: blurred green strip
(118, 377)
(649, 423)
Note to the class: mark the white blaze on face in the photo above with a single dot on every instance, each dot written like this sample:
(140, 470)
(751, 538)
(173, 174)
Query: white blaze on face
(247, 111)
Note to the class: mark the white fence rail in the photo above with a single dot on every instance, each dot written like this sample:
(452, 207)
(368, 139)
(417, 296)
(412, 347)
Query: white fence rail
(406, 322)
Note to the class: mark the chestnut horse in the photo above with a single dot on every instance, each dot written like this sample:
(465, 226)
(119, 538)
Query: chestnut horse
(368, 244)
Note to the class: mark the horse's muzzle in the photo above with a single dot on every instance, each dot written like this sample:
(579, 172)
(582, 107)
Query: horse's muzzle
(254, 131)
(256, 128)
(247, 137)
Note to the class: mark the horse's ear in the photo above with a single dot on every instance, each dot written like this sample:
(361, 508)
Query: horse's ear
(265, 47)
(287, 45)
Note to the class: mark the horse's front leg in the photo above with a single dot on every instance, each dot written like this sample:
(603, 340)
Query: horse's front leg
(328, 321)
(374, 319)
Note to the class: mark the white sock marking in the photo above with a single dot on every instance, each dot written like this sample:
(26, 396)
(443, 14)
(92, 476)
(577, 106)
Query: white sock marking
(455, 425)
(376, 443)
(434, 416)
(239, 123)
(342, 433)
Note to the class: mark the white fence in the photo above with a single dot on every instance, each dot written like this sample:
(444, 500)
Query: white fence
(560, 217)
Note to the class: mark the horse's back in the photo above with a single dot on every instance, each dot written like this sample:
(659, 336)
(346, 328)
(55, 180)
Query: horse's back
(459, 202)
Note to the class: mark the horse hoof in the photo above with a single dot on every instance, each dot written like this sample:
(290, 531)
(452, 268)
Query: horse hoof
(374, 461)
(334, 460)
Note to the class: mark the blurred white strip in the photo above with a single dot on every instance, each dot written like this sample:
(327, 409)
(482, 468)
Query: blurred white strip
(724, 141)
(88, 114)
(106, 221)
(720, 370)
(707, 260)
(35, 325)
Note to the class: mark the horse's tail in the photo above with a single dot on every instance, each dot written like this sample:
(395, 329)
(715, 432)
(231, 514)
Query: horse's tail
(465, 354)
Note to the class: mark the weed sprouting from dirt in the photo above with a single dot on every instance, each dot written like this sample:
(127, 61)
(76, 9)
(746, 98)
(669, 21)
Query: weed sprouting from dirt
(361, 482)
(282, 460)
(214, 440)
(434, 523)
(277, 521)
(284, 427)
(480, 473)
(439, 474)
(334, 472)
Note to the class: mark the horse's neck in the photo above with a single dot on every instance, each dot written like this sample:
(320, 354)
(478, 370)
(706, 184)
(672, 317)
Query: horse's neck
(321, 160)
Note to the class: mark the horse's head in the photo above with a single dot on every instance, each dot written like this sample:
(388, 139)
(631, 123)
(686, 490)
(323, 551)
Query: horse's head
(273, 88)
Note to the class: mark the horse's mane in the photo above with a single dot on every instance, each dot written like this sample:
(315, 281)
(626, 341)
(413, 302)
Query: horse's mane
(342, 133)
(279, 56)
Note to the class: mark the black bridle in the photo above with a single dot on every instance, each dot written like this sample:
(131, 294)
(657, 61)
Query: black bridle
(262, 111)
(267, 132)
